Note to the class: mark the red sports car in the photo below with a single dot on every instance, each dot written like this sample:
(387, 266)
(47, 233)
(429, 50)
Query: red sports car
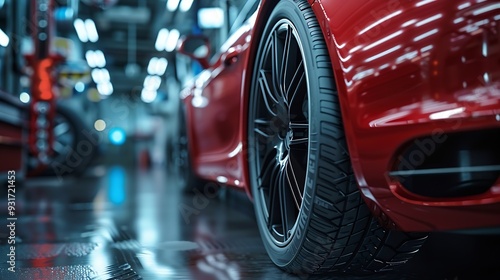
(355, 126)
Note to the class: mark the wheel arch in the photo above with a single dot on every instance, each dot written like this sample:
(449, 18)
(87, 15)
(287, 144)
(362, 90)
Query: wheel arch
(265, 9)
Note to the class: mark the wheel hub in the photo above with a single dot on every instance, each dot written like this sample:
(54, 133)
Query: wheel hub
(288, 138)
(283, 146)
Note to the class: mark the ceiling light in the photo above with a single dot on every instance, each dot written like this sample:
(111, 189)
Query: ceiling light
(211, 18)
(100, 76)
(185, 5)
(91, 30)
(91, 59)
(152, 83)
(100, 125)
(148, 96)
(24, 97)
(105, 75)
(100, 58)
(157, 66)
(172, 40)
(4, 39)
(81, 30)
(152, 66)
(105, 88)
(161, 66)
(161, 40)
(172, 5)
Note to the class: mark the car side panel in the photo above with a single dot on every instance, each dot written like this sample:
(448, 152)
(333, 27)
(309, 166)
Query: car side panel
(213, 107)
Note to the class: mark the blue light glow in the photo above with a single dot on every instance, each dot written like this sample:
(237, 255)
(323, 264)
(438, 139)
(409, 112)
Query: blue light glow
(117, 182)
(117, 136)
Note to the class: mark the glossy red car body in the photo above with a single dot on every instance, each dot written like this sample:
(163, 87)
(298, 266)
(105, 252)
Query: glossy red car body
(12, 123)
(404, 70)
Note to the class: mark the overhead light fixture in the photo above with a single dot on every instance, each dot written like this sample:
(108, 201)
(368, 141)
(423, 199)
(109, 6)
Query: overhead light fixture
(172, 40)
(90, 57)
(4, 39)
(100, 125)
(86, 30)
(24, 97)
(91, 30)
(211, 18)
(105, 88)
(96, 75)
(161, 66)
(172, 5)
(161, 40)
(185, 5)
(152, 83)
(95, 59)
(100, 76)
(100, 58)
(157, 66)
(81, 30)
(148, 96)
(152, 66)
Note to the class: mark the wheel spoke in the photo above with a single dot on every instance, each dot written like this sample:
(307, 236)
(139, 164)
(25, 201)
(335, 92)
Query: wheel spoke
(296, 82)
(267, 92)
(292, 182)
(275, 207)
(299, 126)
(283, 201)
(61, 129)
(276, 67)
(59, 148)
(299, 141)
(273, 189)
(268, 166)
(284, 62)
(294, 177)
(264, 129)
(266, 77)
(262, 133)
(300, 133)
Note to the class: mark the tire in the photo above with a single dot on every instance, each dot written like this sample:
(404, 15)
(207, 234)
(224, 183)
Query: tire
(73, 149)
(310, 213)
(189, 181)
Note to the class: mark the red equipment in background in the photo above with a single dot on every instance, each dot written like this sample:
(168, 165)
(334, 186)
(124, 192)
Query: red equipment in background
(43, 97)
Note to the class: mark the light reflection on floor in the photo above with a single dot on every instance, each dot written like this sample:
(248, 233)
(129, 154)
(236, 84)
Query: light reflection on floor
(123, 223)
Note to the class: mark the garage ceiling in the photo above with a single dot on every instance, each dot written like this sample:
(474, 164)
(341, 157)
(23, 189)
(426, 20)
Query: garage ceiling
(127, 35)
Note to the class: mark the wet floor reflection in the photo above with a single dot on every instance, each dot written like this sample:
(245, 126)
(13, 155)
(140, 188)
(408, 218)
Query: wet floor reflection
(123, 223)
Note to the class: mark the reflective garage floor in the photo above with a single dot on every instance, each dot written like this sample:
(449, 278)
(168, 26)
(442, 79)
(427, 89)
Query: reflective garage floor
(125, 223)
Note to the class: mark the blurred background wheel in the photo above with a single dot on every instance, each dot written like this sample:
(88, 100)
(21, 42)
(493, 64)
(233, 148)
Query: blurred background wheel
(74, 146)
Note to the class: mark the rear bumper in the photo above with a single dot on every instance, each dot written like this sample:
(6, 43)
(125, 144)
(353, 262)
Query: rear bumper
(407, 70)
(407, 209)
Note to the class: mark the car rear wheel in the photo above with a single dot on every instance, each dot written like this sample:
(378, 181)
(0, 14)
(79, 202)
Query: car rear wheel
(310, 212)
